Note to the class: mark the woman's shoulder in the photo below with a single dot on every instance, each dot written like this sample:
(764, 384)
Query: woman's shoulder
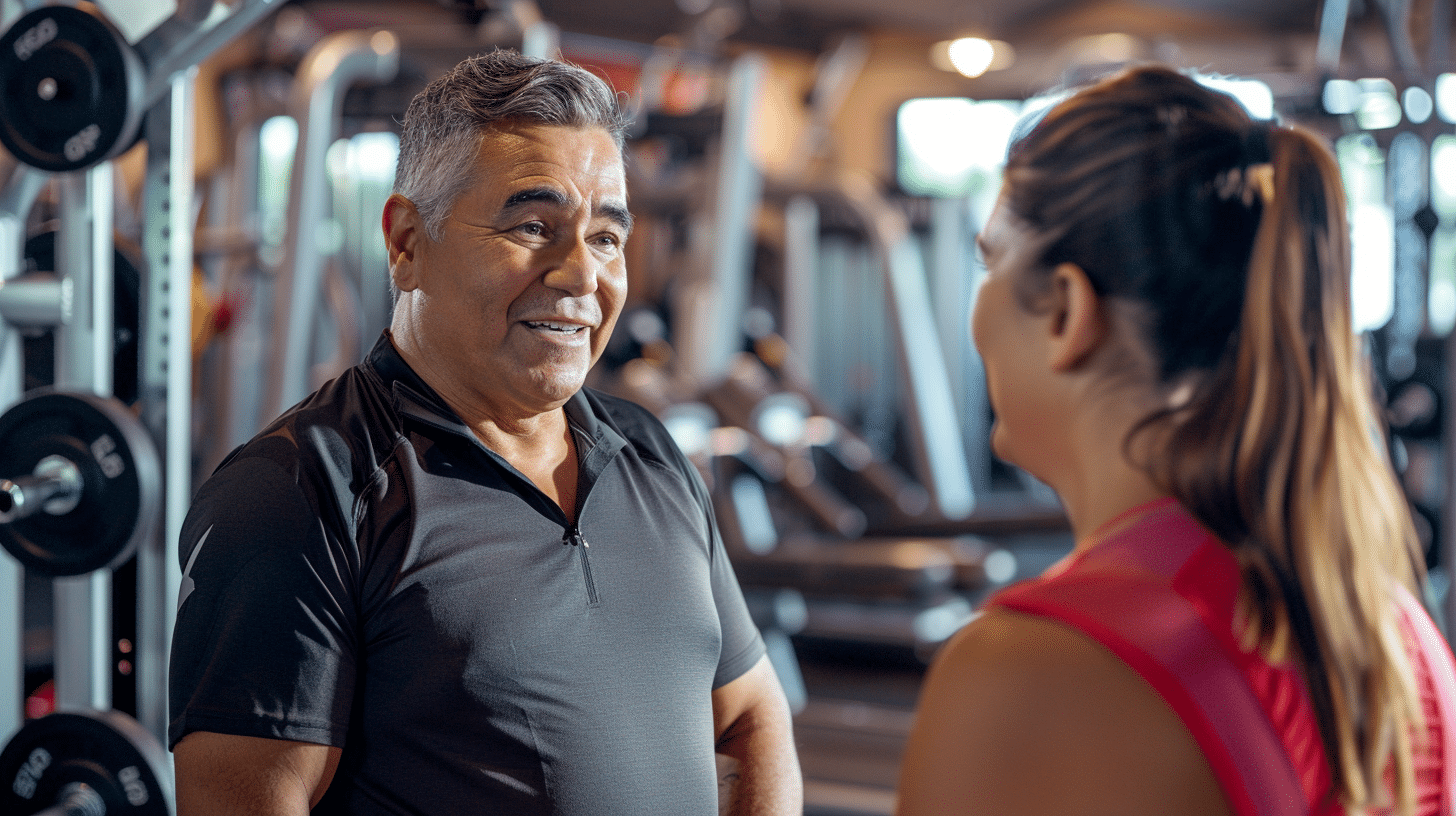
(1041, 669)
(1023, 714)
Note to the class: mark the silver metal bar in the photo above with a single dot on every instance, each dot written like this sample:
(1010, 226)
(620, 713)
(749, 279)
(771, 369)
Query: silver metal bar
(1409, 185)
(84, 264)
(931, 416)
(951, 289)
(934, 426)
(54, 488)
(714, 305)
(1333, 19)
(84, 253)
(946, 274)
(12, 576)
(835, 74)
(165, 382)
(541, 39)
(326, 73)
(83, 641)
(801, 262)
(234, 395)
(1397, 15)
(1438, 49)
(34, 300)
(21, 190)
(178, 45)
(1447, 543)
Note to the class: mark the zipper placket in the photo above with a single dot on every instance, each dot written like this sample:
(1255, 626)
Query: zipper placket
(574, 537)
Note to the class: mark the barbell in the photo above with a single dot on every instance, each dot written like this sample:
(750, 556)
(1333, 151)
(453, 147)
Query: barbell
(71, 88)
(80, 482)
(84, 763)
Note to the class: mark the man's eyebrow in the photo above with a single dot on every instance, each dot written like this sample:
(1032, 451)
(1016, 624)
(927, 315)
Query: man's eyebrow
(534, 195)
(616, 213)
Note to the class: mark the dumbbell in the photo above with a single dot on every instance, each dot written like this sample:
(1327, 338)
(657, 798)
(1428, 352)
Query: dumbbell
(71, 88)
(84, 763)
(80, 482)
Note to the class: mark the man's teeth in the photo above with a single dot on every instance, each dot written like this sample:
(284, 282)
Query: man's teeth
(560, 327)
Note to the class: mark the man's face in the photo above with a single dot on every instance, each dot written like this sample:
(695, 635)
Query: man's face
(515, 302)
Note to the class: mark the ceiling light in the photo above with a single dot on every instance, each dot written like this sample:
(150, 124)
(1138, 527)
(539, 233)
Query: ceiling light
(972, 56)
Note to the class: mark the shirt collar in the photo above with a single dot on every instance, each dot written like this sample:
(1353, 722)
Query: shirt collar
(414, 398)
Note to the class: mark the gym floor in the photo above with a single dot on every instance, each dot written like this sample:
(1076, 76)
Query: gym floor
(852, 732)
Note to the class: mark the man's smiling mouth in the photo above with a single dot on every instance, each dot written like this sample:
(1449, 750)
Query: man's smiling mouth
(551, 325)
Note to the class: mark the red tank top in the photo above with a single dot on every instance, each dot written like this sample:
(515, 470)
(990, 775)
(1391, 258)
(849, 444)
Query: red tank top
(1159, 591)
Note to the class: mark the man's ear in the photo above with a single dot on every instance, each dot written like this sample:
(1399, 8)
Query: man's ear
(404, 232)
(1078, 320)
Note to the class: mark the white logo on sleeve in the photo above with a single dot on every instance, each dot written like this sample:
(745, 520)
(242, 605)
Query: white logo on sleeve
(187, 583)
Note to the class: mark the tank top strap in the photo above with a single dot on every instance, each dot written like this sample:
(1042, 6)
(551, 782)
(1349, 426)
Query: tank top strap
(1121, 592)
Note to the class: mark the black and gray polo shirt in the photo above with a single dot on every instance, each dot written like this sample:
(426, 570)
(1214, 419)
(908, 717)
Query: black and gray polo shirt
(366, 574)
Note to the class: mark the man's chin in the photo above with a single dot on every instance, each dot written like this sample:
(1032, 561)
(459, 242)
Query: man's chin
(557, 386)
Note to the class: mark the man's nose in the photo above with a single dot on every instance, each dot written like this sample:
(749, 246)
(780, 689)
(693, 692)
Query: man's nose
(574, 268)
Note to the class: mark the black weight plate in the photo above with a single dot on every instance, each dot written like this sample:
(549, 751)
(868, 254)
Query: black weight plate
(70, 88)
(119, 469)
(108, 751)
(126, 315)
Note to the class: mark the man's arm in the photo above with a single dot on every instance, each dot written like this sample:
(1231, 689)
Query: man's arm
(224, 775)
(753, 725)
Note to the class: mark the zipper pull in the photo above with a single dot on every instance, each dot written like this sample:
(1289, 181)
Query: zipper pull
(574, 538)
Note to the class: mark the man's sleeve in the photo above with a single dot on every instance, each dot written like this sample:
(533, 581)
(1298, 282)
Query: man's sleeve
(742, 643)
(264, 643)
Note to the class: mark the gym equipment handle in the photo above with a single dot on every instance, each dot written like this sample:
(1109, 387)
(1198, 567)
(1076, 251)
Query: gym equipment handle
(55, 486)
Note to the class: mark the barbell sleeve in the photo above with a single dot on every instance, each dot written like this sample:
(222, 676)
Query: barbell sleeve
(55, 486)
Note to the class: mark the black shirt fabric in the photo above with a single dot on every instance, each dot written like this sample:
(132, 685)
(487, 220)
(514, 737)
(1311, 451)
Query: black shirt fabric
(366, 574)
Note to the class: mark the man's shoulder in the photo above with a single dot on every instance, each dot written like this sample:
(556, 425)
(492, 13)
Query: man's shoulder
(348, 424)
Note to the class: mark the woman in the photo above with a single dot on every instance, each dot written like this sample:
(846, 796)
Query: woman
(1166, 333)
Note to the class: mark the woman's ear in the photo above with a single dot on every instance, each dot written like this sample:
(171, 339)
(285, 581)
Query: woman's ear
(1078, 320)
(403, 230)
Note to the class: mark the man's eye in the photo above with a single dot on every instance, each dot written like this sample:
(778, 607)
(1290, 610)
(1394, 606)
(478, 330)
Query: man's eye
(608, 240)
(533, 228)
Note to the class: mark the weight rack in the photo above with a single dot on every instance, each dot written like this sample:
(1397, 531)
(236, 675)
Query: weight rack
(75, 95)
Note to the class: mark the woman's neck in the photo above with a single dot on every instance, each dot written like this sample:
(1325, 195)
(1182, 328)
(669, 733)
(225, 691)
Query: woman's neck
(1102, 480)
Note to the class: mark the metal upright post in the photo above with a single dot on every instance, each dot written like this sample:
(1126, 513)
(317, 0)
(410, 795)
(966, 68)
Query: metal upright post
(931, 418)
(12, 576)
(801, 265)
(1407, 180)
(325, 74)
(165, 381)
(930, 414)
(951, 286)
(714, 304)
(84, 252)
(21, 189)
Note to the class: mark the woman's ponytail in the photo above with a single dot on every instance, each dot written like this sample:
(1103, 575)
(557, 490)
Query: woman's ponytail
(1281, 454)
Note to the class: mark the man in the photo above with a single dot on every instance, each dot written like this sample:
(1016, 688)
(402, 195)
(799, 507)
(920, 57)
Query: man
(454, 580)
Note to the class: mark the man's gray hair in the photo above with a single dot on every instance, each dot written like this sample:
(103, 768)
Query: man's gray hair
(445, 121)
